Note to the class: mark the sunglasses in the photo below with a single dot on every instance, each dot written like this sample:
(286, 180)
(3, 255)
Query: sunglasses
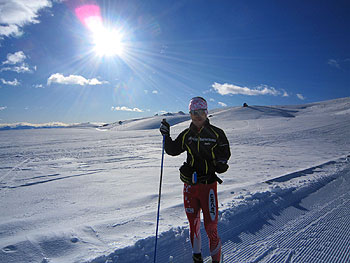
(198, 112)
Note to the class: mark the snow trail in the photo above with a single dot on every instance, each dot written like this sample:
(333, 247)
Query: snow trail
(303, 224)
(312, 229)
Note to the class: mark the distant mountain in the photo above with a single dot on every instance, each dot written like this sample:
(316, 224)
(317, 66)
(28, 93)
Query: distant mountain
(227, 114)
(53, 125)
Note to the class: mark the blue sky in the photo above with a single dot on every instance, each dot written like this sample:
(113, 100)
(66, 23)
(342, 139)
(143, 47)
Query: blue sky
(56, 65)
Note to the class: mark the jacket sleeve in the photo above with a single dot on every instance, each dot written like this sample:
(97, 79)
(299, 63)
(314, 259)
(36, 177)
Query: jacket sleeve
(174, 147)
(222, 153)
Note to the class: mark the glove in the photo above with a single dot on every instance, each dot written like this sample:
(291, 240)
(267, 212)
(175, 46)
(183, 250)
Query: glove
(164, 128)
(221, 166)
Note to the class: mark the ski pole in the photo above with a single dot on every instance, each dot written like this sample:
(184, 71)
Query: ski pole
(159, 195)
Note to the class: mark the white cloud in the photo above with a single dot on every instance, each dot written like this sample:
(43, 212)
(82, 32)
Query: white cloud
(155, 91)
(300, 96)
(211, 99)
(334, 63)
(123, 108)
(9, 30)
(19, 69)
(15, 62)
(73, 80)
(222, 104)
(14, 14)
(38, 86)
(15, 58)
(3, 108)
(95, 81)
(15, 82)
(226, 89)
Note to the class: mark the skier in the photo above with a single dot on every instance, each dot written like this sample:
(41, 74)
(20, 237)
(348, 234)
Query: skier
(208, 151)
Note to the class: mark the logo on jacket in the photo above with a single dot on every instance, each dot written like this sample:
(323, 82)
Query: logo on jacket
(195, 139)
(212, 205)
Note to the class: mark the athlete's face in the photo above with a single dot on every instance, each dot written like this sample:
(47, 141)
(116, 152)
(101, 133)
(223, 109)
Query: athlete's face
(198, 118)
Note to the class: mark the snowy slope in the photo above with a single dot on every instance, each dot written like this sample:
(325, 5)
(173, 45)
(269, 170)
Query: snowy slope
(147, 123)
(83, 195)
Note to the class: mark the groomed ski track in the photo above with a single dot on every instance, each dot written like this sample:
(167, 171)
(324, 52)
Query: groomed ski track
(310, 223)
(313, 227)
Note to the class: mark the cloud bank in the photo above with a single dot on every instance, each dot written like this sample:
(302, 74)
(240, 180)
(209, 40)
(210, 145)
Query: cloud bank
(231, 89)
(123, 108)
(14, 14)
(73, 80)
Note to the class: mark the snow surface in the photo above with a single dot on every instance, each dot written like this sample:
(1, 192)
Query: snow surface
(90, 195)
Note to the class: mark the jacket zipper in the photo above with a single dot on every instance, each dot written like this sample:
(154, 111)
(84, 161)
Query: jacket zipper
(206, 163)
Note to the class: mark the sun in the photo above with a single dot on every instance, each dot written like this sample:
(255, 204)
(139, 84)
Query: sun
(108, 42)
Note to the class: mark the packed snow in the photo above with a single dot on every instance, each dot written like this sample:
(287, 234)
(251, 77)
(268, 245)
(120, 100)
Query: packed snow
(90, 194)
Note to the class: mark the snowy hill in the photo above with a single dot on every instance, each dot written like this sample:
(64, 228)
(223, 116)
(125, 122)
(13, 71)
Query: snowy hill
(133, 124)
(147, 123)
(82, 195)
(338, 107)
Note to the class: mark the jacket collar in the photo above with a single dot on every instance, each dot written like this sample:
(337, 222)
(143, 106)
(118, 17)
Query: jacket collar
(195, 129)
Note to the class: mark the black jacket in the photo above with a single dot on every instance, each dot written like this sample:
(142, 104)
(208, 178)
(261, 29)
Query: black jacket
(208, 151)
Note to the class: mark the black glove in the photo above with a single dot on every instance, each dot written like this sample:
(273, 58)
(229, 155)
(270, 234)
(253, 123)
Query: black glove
(164, 128)
(221, 166)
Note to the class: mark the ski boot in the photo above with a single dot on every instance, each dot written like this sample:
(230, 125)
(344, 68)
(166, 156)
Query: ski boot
(221, 260)
(197, 258)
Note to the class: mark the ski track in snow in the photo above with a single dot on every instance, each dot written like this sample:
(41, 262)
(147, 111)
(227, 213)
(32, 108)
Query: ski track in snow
(65, 193)
(307, 224)
(312, 229)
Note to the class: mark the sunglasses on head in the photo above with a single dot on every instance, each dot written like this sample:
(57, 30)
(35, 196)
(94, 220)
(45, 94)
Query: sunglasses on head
(198, 112)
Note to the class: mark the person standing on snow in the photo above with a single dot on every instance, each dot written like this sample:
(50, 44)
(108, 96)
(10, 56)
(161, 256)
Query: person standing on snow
(208, 151)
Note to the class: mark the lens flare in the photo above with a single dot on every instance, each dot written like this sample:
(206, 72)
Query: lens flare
(89, 15)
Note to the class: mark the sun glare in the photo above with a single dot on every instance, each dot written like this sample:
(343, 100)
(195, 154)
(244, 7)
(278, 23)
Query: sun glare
(108, 42)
